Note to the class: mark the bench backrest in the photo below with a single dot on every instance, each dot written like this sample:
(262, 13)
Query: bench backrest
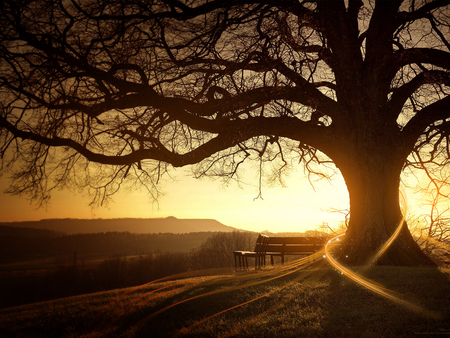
(293, 245)
(261, 244)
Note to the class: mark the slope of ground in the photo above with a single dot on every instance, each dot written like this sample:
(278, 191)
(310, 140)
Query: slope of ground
(311, 302)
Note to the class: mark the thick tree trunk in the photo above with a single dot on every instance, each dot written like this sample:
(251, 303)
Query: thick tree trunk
(373, 183)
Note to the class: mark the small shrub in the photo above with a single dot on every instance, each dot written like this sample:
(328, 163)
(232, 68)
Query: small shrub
(217, 250)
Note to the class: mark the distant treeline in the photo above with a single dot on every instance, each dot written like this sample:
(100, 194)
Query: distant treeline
(28, 286)
(20, 244)
(133, 225)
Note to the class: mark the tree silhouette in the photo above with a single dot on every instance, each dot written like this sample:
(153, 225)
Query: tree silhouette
(96, 94)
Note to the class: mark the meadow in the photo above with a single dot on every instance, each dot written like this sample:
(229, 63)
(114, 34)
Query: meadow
(309, 300)
(197, 294)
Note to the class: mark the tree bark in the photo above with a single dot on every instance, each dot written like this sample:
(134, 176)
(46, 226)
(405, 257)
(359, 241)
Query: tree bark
(373, 182)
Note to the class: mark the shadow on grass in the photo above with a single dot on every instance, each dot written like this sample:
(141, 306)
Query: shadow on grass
(353, 311)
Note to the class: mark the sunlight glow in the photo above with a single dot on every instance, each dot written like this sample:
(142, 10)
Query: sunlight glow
(302, 206)
(440, 245)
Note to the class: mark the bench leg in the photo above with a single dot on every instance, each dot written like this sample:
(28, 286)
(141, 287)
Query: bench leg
(239, 260)
(258, 262)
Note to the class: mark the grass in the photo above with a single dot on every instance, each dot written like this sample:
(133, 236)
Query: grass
(315, 301)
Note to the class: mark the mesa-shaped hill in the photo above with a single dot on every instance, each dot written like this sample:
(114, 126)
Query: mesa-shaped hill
(133, 225)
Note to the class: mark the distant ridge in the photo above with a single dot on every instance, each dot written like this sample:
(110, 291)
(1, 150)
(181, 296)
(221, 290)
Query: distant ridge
(133, 225)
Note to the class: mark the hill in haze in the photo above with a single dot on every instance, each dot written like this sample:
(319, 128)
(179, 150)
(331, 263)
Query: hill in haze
(133, 225)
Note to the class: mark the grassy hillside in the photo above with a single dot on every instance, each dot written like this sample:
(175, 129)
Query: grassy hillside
(315, 301)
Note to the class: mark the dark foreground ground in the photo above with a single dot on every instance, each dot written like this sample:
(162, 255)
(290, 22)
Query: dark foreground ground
(316, 301)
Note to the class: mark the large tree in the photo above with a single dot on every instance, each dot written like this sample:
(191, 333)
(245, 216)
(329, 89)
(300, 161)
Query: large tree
(98, 93)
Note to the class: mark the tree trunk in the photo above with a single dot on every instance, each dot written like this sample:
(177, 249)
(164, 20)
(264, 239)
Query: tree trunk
(373, 183)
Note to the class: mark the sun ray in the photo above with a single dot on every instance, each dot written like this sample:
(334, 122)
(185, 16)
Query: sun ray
(397, 231)
(368, 284)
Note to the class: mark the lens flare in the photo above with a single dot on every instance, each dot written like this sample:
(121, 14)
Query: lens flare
(368, 284)
(397, 231)
(388, 243)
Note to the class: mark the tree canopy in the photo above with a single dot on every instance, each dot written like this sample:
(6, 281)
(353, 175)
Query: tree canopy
(97, 93)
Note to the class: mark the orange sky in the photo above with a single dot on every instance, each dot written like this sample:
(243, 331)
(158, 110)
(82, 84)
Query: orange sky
(297, 208)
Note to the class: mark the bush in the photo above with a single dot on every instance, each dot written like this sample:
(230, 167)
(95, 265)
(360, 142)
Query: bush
(217, 250)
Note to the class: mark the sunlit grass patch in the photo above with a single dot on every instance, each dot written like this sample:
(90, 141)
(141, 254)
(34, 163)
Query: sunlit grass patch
(99, 312)
(276, 308)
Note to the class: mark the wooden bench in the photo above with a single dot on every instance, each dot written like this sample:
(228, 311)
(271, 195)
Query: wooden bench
(277, 247)
(283, 246)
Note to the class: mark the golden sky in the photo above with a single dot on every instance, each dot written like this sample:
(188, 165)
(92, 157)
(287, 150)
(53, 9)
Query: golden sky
(296, 208)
